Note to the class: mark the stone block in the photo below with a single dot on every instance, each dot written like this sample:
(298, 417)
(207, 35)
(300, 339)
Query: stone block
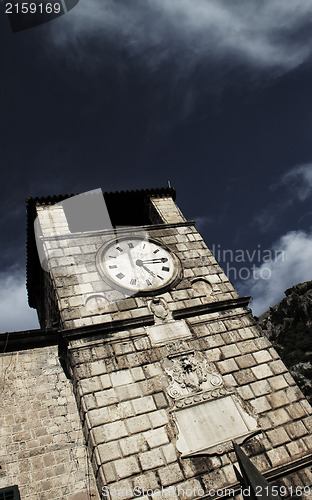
(244, 376)
(278, 367)
(170, 453)
(151, 459)
(213, 355)
(229, 380)
(138, 424)
(121, 377)
(115, 430)
(294, 394)
(99, 416)
(262, 356)
(227, 366)
(158, 418)
(109, 451)
(152, 370)
(156, 437)
(170, 474)
(98, 368)
(137, 373)
(296, 411)
(278, 436)
(296, 448)
(278, 382)
(133, 444)
(106, 397)
(278, 456)
(121, 490)
(126, 392)
(260, 404)
(120, 410)
(109, 472)
(143, 404)
(229, 351)
(296, 429)
(150, 386)
(245, 361)
(245, 392)
(126, 467)
(278, 399)
(145, 484)
(279, 417)
(99, 434)
(247, 346)
(262, 371)
(91, 385)
(260, 388)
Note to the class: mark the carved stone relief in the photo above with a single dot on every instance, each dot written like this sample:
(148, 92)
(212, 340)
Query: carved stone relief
(207, 414)
(158, 306)
(205, 288)
(189, 372)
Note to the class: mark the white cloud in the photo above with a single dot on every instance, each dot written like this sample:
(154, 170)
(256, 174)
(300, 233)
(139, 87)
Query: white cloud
(296, 186)
(299, 181)
(15, 313)
(269, 33)
(268, 283)
(202, 221)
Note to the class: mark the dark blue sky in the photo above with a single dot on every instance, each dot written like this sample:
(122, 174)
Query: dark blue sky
(214, 96)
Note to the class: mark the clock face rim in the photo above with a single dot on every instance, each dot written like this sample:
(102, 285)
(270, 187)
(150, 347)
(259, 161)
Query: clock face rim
(175, 278)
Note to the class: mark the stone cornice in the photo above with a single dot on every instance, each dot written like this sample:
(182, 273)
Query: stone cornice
(211, 307)
(29, 339)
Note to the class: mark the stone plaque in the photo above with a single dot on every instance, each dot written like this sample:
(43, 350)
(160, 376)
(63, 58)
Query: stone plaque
(210, 427)
(161, 334)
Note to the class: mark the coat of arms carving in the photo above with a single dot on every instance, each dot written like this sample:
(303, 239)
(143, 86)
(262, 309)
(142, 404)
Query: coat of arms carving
(190, 373)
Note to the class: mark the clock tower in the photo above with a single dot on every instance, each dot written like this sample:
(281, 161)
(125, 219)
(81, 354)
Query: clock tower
(167, 363)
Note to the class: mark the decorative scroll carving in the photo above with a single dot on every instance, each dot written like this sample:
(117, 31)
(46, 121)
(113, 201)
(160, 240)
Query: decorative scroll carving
(208, 415)
(190, 373)
(177, 346)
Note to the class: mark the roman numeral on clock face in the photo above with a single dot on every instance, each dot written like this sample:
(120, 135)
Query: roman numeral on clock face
(164, 268)
(133, 281)
(148, 283)
(112, 267)
(120, 276)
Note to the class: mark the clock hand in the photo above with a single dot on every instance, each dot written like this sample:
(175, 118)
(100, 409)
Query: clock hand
(139, 263)
(154, 261)
(130, 258)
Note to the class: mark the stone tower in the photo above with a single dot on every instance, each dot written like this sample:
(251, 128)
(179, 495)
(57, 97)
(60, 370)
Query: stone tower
(166, 362)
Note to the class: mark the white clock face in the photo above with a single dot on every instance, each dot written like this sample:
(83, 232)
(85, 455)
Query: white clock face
(137, 265)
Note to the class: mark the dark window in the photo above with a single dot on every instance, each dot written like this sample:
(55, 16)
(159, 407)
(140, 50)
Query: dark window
(10, 493)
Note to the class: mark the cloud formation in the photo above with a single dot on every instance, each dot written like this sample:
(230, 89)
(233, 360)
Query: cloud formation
(271, 279)
(292, 187)
(270, 33)
(298, 181)
(15, 313)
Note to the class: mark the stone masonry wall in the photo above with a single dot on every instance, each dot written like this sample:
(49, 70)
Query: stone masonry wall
(76, 277)
(120, 387)
(41, 447)
(120, 381)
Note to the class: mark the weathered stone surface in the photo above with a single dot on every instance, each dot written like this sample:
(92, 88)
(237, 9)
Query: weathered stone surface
(41, 436)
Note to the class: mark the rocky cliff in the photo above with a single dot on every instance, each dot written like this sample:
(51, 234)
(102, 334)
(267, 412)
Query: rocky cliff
(288, 325)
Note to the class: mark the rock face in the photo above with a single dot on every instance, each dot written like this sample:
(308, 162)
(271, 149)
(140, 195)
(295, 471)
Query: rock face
(288, 325)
